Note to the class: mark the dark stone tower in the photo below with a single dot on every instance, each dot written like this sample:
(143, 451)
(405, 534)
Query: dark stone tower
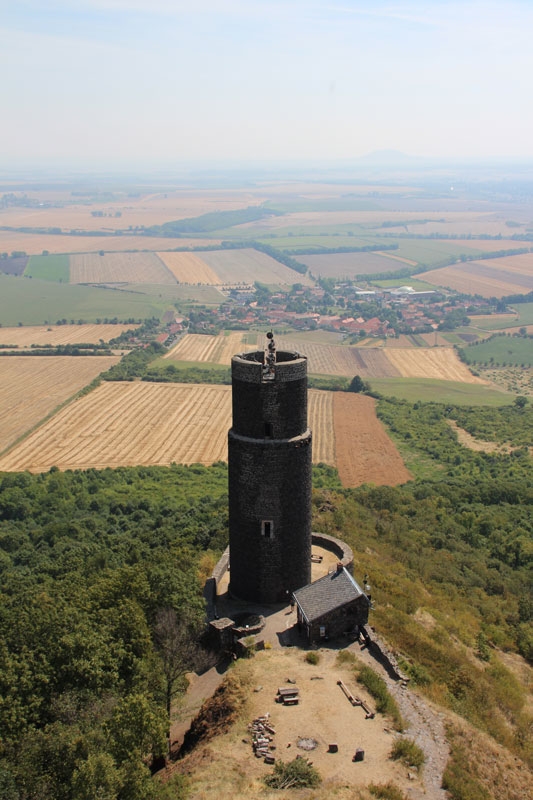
(269, 455)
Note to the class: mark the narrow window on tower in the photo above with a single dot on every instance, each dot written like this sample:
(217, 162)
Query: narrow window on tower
(268, 430)
(267, 528)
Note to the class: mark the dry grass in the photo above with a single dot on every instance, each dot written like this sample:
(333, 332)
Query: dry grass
(480, 769)
(247, 266)
(343, 361)
(481, 277)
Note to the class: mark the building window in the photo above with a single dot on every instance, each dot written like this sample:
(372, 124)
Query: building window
(267, 528)
(268, 430)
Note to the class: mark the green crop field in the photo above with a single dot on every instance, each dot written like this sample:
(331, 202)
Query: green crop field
(311, 240)
(525, 313)
(179, 292)
(34, 302)
(431, 252)
(395, 283)
(501, 350)
(428, 389)
(48, 268)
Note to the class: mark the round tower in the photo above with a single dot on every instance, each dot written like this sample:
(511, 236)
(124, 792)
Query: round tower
(269, 455)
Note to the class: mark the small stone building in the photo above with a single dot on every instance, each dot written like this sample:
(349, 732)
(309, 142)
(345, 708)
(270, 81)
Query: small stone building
(331, 606)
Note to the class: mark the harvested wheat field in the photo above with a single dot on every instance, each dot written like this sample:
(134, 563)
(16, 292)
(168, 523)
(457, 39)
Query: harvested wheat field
(125, 424)
(62, 334)
(189, 268)
(208, 349)
(320, 420)
(344, 361)
(119, 268)
(436, 362)
(248, 265)
(32, 386)
(364, 451)
(496, 277)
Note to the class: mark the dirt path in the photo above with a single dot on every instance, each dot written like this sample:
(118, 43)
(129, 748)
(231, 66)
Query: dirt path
(426, 727)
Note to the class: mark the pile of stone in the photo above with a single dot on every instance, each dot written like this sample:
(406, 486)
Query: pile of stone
(263, 738)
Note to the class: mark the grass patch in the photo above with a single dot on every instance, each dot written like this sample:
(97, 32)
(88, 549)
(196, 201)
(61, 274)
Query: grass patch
(48, 268)
(312, 657)
(431, 389)
(385, 703)
(408, 752)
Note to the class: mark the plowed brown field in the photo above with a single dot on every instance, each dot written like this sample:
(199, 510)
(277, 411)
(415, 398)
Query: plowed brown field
(189, 268)
(364, 451)
(62, 334)
(121, 424)
(32, 386)
(119, 268)
(435, 362)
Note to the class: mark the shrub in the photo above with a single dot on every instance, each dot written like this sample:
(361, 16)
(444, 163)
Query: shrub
(295, 774)
(407, 751)
(312, 657)
(386, 791)
(377, 687)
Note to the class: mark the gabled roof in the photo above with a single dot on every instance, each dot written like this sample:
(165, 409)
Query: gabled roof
(326, 594)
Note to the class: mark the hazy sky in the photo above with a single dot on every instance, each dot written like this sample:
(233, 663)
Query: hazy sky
(156, 80)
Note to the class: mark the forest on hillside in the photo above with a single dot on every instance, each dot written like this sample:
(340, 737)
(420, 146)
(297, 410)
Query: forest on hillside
(100, 570)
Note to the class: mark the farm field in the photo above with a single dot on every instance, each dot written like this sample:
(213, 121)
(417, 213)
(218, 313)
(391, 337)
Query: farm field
(188, 423)
(248, 265)
(147, 208)
(32, 387)
(348, 265)
(34, 302)
(342, 360)
(209, 349)
(495, 277)
(61, 334)
(48, 268)
(35, 243)
(501, 350)
(13, 266)
(364, 451)
(189, 268)
(119, 268)
(439, 362)
(438, 391)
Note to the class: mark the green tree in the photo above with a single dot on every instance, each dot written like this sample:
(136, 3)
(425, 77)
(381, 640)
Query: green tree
(137, 729)
(97, 778)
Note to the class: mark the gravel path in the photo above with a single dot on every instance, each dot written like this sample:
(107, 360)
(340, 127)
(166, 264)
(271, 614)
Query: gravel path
(426, 728)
